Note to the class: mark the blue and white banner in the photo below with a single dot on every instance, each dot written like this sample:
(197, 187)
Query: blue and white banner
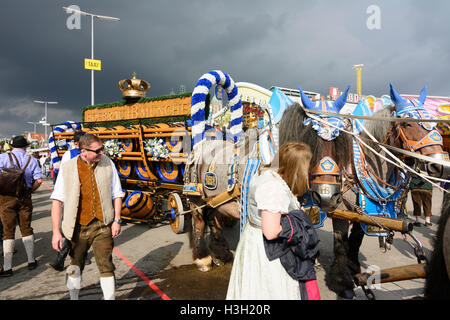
(278, 103)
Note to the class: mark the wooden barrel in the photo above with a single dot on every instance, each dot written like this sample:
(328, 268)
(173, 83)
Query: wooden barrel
(141, 171)
(174, 144)
(127, 145)
(140, 205)
(125, 211)
(167, 171)
(124, 168)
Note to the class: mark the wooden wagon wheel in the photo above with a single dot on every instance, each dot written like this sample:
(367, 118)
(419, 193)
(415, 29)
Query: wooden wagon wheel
(176, 206)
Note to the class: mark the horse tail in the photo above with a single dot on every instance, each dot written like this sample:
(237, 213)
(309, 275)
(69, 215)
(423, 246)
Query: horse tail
(199, 94)
(65, 126)
(437, 283)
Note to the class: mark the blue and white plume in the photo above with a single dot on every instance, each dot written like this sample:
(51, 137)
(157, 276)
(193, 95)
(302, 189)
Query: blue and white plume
(204, 84)
(63, 127)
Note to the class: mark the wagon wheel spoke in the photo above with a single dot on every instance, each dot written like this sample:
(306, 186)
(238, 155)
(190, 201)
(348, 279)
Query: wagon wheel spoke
(176, 219)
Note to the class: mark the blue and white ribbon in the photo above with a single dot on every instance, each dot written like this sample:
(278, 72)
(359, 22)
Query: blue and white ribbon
(201, 90)
(63, 127)
(326, 132)
(413, 112)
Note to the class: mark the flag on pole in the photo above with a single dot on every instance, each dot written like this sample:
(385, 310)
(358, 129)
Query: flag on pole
(278, 103)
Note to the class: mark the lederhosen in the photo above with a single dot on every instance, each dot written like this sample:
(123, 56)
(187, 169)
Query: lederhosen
(13, 209)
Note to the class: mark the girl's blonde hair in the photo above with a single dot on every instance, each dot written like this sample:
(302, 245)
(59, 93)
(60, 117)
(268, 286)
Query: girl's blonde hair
(293, 166)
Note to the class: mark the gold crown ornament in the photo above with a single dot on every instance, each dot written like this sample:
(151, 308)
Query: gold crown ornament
(136, 88)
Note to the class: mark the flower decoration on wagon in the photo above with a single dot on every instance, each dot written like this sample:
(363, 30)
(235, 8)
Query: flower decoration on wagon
(156, 148)
(113, 148)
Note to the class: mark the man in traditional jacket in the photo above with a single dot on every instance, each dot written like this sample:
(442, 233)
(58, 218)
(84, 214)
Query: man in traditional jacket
(89, 187)
(58, 263)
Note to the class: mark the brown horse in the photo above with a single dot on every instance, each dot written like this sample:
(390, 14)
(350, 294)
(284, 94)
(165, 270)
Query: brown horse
(346, 247)
(213, 161)
(411, 136)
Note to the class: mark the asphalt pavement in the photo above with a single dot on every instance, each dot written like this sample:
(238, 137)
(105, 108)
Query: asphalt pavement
(153, 263)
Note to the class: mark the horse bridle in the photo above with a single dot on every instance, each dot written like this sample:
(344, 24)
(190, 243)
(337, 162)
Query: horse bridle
(431, 139)
(326, 189)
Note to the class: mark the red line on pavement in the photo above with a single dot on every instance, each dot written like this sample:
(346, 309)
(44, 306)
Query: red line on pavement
(143, 276)
(48, 187)
(153, 286)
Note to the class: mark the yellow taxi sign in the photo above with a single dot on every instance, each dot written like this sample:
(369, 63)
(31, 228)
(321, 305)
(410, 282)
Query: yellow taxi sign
(92, 64)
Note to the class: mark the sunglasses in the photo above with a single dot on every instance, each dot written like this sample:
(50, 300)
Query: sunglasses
(96, 151)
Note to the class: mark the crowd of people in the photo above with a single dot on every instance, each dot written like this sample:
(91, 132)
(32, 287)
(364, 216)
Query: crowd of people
(275, 255)
(86, 207)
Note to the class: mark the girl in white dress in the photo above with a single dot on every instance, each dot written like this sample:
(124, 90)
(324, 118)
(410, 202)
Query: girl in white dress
(272, 193)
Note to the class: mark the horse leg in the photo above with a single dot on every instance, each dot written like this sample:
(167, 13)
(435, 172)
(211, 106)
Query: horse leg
(437, 284)
(354, 241)
(339, 278)
(200, 251)
(220, 249)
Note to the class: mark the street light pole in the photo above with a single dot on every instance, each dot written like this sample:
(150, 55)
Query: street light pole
(33, 123)
(92, 57)
(70, 10)
(45, 122)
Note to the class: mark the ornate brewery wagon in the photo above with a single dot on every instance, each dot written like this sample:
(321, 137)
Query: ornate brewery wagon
(150, 141)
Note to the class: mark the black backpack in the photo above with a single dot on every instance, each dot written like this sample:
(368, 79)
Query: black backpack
(12, 180)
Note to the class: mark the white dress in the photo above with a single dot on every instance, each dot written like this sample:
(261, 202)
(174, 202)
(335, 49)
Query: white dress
(253, 276)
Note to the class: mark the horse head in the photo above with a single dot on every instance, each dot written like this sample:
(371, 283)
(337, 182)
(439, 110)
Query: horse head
(325, 181)
(420, 137)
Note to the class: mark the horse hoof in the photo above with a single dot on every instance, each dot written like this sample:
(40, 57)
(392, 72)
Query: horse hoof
(204, 268)
(204, 264)
(218, 262)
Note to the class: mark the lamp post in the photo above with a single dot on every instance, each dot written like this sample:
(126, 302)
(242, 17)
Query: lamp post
(70, 10)
(44, 119)
(34, 123)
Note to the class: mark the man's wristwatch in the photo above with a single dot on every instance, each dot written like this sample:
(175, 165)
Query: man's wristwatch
(119, 221)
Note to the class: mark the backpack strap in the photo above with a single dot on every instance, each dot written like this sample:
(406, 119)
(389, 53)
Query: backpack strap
(11, 159)
(17, 161)
(28, 162)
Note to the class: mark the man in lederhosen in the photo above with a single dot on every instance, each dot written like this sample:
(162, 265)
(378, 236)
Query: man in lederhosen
(19, 209)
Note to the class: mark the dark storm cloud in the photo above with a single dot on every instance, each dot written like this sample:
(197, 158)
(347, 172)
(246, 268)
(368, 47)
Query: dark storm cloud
(170, 43)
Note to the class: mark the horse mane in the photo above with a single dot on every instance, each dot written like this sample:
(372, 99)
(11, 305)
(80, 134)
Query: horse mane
(292, 129)
(379, 128)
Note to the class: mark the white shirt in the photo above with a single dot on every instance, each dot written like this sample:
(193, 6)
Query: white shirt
(116, 187)
(65, 157)
(42, 161)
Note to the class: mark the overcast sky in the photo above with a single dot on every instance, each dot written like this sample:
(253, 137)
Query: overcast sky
(312, 43)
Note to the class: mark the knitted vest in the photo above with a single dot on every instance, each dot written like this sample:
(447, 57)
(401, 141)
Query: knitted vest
(89, 206)
(72, 191)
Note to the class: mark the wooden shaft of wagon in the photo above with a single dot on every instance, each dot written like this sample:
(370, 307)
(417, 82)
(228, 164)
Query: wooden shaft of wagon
(392, 224)
(223, 197)
(414, 271)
